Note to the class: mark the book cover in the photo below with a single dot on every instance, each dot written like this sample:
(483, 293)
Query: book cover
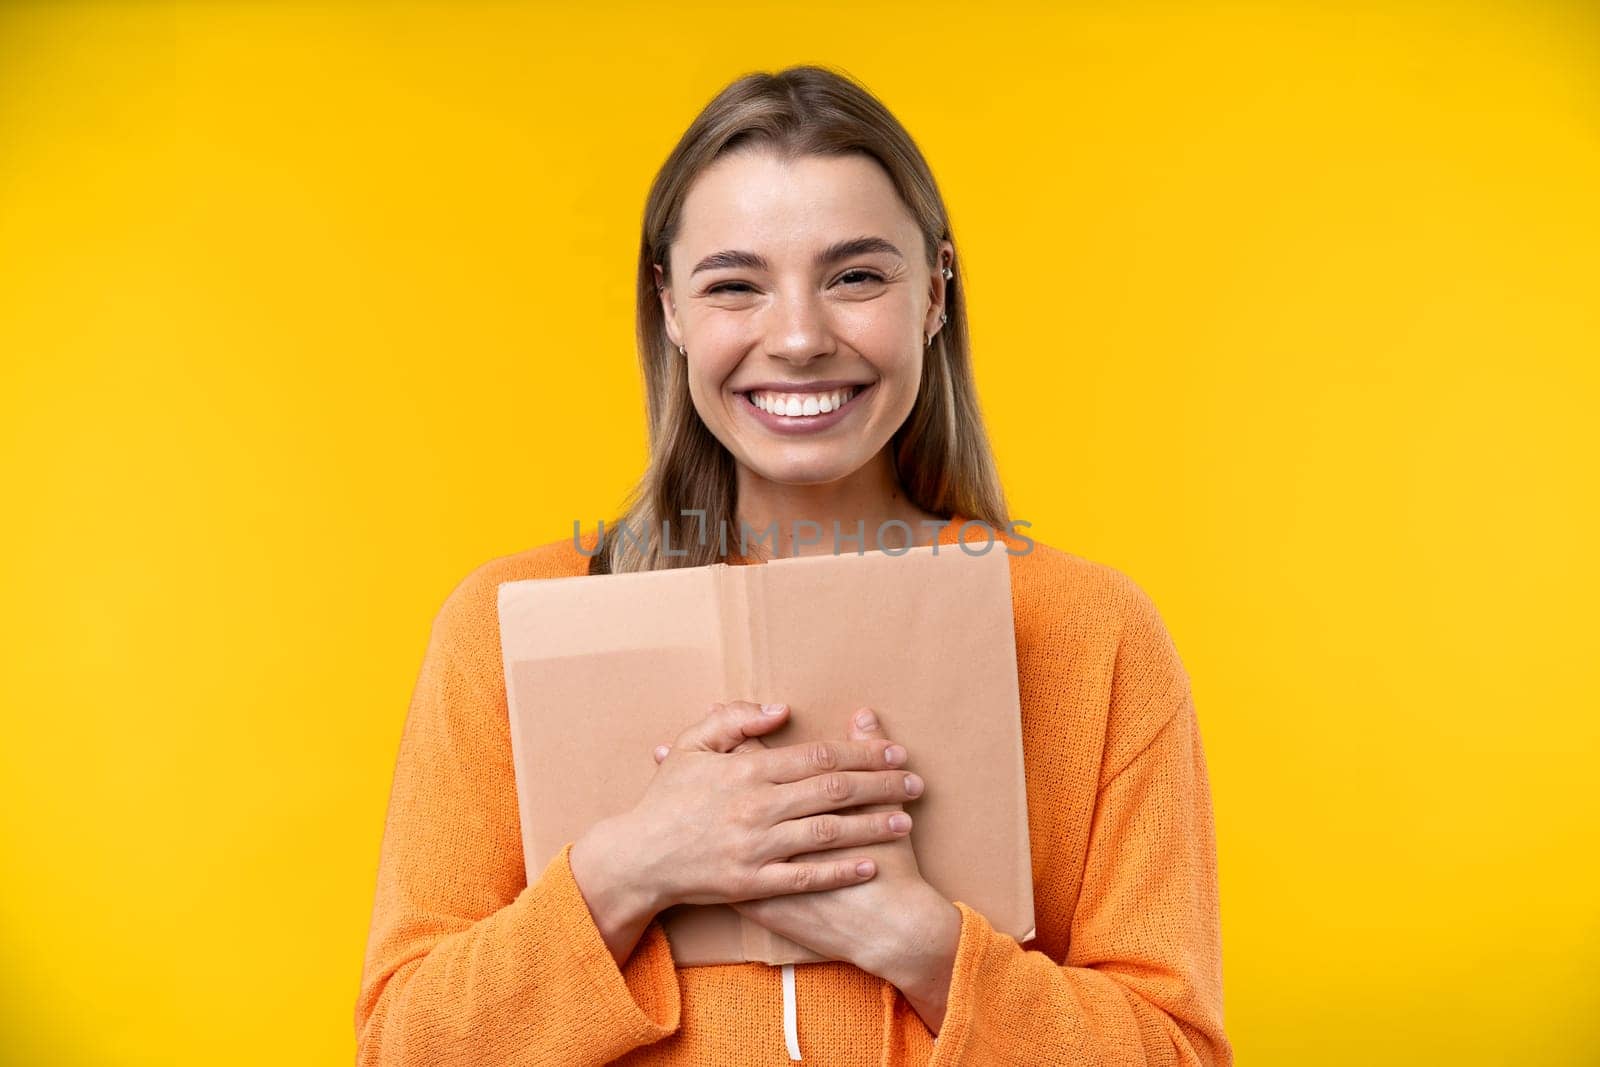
(600, 669)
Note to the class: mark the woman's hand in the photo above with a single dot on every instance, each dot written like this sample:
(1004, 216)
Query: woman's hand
(723, 815)
(896, 926)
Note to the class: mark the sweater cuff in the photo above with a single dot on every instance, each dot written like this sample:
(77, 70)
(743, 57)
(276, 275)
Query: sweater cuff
(641, 998)
(976, 935)
(909, 1041)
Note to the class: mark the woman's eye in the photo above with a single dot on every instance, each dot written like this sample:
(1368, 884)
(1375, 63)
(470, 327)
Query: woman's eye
(853, 279)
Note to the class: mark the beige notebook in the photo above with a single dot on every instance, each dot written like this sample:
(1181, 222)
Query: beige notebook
(599, 669)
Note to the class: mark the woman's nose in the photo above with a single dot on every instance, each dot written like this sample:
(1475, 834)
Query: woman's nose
(798, 328)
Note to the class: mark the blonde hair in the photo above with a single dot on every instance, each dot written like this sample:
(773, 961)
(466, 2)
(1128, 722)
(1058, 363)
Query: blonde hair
(941, 453)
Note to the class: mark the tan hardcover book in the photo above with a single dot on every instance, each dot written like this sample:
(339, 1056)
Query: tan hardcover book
(600, 669)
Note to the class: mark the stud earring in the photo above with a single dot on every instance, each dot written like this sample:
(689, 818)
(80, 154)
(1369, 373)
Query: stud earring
(948, 273)
(682, 351)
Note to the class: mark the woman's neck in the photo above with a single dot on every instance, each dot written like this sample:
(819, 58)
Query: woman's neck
(869, 507)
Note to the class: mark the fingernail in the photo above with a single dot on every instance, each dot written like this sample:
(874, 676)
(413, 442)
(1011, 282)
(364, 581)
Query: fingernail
(661, 752)
(899, 821)
(913, 786)
(894, 755)
(864, 868)
(772, 709)
(866, 720)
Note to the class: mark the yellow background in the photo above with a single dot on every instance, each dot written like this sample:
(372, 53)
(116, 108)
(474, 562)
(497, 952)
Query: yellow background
(1292, 315)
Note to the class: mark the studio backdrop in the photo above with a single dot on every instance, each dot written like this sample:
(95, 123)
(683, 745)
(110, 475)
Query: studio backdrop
(1290, 312)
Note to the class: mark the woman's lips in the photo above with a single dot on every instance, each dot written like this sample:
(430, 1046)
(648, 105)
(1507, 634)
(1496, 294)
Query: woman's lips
(803, 424)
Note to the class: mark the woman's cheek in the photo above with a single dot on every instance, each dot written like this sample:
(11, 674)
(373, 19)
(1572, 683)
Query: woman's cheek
(885, 336)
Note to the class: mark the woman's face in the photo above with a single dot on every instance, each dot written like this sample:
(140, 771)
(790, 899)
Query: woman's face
(802, 293)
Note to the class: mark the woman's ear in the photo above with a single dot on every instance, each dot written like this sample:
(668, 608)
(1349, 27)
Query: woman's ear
(669, 310)
(939, 288)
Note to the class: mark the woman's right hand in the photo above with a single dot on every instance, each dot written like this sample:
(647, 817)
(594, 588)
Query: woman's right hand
(724, 814)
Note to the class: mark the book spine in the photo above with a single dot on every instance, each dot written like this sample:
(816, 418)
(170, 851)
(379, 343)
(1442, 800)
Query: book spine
(738, 683)
(733, 621)
(742, 605)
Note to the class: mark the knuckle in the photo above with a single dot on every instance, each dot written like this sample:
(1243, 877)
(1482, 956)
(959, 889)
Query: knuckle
(805, 877)
(835, 787)
(744, 771)
(744, 885)
(825, 828)
(754, 849)
(822, 756)
(748, 817)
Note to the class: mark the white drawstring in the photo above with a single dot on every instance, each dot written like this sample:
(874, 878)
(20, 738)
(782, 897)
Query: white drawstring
(790, 1034)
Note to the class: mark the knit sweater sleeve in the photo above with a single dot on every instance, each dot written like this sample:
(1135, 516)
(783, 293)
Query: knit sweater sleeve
(1142, 979)
(466, 963)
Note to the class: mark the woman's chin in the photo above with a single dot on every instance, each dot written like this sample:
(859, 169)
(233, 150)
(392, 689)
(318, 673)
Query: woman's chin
(796, 471)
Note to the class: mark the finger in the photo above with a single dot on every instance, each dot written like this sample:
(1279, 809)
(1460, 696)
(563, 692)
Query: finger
(820, 833)
(865, 725)
(844, 789)
(661, 751)
(726, 726)
(791, 763)
(780, 879)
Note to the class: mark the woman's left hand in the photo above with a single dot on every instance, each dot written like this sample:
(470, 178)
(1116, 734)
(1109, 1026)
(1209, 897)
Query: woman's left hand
(895, 926)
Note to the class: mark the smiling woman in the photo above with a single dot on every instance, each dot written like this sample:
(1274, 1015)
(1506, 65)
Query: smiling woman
(804, 349)
(801, 334)
(772, 337)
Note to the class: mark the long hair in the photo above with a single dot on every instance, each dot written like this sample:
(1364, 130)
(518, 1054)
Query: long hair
(941, 453)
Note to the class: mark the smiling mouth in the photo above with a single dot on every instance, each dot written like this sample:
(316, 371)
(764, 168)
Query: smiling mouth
(800, 405)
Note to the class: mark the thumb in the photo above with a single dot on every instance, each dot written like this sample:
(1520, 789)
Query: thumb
(865, 726)
(749, 744)
(728, 726)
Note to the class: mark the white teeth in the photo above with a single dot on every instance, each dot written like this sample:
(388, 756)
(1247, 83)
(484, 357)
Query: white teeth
(799, 404)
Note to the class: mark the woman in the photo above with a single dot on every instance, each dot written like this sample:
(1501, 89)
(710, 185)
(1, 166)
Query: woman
(804, 348)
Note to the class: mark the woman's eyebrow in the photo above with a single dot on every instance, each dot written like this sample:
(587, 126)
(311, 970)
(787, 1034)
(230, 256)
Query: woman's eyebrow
(854, 246)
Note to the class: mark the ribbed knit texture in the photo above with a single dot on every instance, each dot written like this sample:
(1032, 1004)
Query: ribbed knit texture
(468, 964)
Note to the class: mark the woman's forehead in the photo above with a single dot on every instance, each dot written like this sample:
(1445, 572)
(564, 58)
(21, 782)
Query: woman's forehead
(800, 205)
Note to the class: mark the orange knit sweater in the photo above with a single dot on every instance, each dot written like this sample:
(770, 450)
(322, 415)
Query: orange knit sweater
(466, 963)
